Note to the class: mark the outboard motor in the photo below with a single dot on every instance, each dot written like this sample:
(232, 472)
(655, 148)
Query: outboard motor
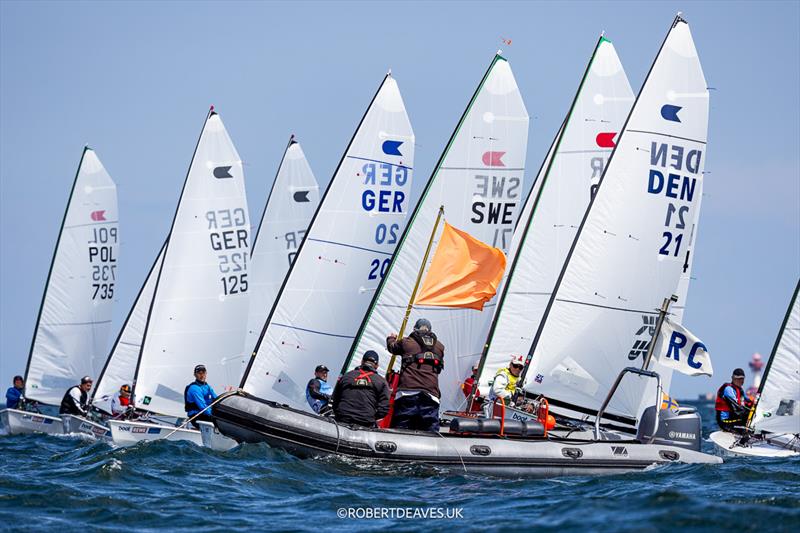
(682, 428)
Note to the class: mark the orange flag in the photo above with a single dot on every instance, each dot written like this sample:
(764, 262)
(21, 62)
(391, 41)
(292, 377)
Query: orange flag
(464, 272)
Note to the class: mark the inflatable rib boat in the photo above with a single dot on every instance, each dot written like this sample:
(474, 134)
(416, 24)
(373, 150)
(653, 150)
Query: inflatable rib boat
(249, 419)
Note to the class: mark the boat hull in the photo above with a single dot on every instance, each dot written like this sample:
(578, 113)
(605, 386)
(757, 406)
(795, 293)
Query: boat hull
(212, 438)
(80, 425)
(725, 444)
(128, 433)
(19, 422)
(249, 419)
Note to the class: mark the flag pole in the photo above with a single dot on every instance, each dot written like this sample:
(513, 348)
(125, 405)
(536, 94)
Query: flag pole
(416, 287)
(662, 314)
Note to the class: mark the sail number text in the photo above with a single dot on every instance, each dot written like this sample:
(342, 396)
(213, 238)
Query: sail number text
(230, 240)
(494, 201)
(673, 162)
(102, 258)
(381, 195)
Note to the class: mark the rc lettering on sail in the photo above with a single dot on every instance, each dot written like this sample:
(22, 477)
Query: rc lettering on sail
(674, 174)
(229, 238)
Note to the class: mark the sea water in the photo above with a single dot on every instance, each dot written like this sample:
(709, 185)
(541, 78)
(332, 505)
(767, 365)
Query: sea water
(73, 483)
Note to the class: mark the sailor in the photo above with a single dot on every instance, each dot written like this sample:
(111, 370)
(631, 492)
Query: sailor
(121, 401)
(416, 404)
(361, 396)
(76, 399)
(197, 396)
(732, 406)
(318, 391)
(505, 381)
(469, 384)
(14, 394)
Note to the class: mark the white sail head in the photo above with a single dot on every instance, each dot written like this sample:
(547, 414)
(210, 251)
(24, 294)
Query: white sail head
(200, 305)
(345, 253)
(479, 182)
(120, 367)
(778, 409)
(557, 204)
(630, 251)
(292, 202)
(71, 336)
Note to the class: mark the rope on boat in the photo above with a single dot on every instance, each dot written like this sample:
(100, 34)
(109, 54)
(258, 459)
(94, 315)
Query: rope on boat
(455, 450)
(188, 420)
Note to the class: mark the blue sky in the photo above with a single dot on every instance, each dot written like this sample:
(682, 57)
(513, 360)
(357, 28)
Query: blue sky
(134, 81)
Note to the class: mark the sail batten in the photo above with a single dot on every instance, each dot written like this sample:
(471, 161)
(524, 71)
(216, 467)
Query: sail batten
(74, 318)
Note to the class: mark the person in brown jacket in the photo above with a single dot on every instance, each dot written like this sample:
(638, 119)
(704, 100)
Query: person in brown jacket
(416, 404)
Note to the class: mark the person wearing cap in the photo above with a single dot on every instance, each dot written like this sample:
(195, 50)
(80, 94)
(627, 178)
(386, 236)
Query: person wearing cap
(76, 399)
(121, 400)
(318, 391)
(197, 396)
(732, 405)
(416, 403)
(14, 394)
(469, 384)
(361, 396)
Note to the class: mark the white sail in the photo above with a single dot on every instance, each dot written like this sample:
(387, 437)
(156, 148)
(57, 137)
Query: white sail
(778, 409)
(292, 202)
(479, 183)
(121, 363)
(200, 304)
(629, 252)
(345, 253)
(71, 336)
(558, 202)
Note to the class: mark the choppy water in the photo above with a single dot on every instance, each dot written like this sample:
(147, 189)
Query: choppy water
(69, 483)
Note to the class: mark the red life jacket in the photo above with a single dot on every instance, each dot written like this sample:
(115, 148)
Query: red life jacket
(125, 402)
(468, 386)
(722, 403)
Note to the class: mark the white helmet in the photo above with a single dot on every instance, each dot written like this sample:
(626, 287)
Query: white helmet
(517, 360)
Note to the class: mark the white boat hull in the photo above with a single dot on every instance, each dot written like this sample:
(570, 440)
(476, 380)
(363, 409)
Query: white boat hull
(18, 422)
(79, 425)
(212, 438)
(128, 433)
(725, 444)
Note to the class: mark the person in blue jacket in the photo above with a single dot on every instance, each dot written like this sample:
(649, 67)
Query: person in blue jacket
(318, 391)
(14, 394)
(198, 395)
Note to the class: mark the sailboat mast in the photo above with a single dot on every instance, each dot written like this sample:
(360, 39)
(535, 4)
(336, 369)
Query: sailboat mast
(420, 202)
(211, 112)
(552, 299)
(52, 263)
(553, 152)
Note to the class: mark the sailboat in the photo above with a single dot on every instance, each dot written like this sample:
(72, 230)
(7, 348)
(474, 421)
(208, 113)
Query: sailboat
(478, 182)
(198, 312)
(75, 314)
(291, 203)
(621, 201)
(342, 258)
(120, 367)
(774, 429)
(566, 182)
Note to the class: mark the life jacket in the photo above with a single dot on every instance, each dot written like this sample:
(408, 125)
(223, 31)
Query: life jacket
(468, 386)
(363, 379)
(722, 403)
(315, 403)
(511, 386)
(125, 402)
(67, 404)
(427, 356)
(189, 406)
